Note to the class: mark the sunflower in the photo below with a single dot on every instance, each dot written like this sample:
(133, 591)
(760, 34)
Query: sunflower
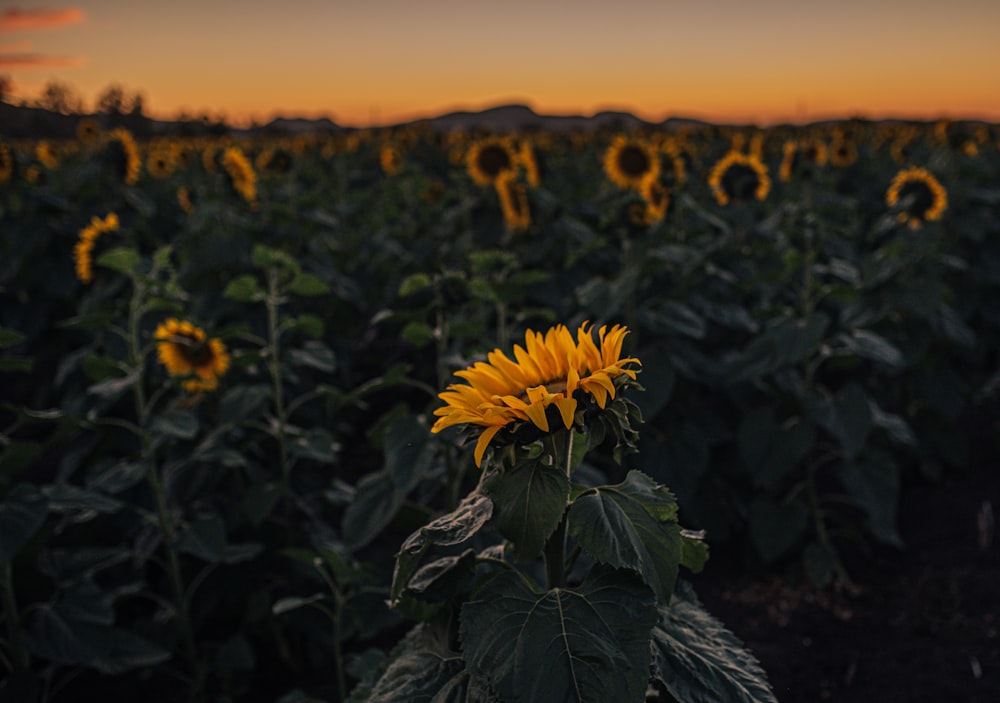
(241, 174)
(528, 161)
(6, 163)
(656, 197)
(488, 158)
(186, 199)
(929, 198)
(843, 151)
(390, 159)
(123, 154)
(513, 201)
(87, 130)
(628, 160)
(185, 350)
(87, 238)
(795, 153)
(45, 154)
(739, 176)
(161, 161)
(277, 161)
(550, 370)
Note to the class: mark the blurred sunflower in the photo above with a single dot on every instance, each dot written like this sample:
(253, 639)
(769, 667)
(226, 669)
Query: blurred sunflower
(928, 198)
(487, 158)
(657, 198)
(548, 371)
(528, 161)
(799, 153)
(161, 161)
(276, 161)
(123, 155)
(390, 159)
(6, 163)
(241, 174)
(88, 130)
(739, 177)
(513, 201)
(46, 155)
(185, 350)
(87, 238)
(843, 151)
(186, 199)
(628, 160)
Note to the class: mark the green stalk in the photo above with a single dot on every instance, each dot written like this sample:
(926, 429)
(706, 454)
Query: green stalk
(822, 534)
(274, 366)
(555, 546)
(22, 659)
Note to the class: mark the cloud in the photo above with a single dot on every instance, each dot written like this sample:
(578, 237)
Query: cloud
(27, 61)
(15, 47)
(16, 20)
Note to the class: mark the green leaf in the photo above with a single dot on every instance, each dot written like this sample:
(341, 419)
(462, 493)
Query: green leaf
(848, 417)
(265, 257)
(417, 333)
(408, 451)
(204, 538)
(67, 498)
(582, 645)
(316, 355)
(875, 347)
(9, 338)
(819, 563)
(308, 284)
(310, 325)
(631, 525)
(529, 500)
(776, 527)
(286, 605)
(122, 259)
(699, 661)
(794, 340)
(259, 501)
(54, 634)
(176, 423)
(672, 317)
(112, 387)
(244, 288)
(658, 380)
(414, 283)
(421, 669)
(242, 402)
(451, 529)
(375, 504)
(22, 512)
(771, 450)
(316, 444)
(694, 551)
(16, 364)
(874, 484)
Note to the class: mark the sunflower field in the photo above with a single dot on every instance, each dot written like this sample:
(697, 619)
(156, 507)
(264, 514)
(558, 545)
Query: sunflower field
(342, 416)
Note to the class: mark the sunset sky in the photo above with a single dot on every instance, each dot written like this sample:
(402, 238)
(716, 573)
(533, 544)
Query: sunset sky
(385, 61)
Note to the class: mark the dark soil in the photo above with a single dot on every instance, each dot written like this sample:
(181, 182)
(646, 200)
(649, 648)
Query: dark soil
(921, 625)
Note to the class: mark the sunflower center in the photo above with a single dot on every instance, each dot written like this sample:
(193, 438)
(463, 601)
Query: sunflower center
(196, 353)
(740, 182)
(923, 198)
(493, 159)
(633, 161)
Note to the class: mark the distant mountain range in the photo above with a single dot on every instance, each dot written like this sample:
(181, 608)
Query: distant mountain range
(19, 122)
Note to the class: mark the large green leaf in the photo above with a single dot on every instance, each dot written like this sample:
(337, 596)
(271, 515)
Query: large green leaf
(582, 645)
(22, 512)
(699, 661)
(528, 503)
(446, 531)
(375, 503)
(771, 450)
(874, 484)
(848, 417)
(632, 525)
(794, 340)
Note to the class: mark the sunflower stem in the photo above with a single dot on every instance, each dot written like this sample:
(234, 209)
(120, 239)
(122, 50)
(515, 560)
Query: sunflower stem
(555, 546)
(274, 366)
(18, 652)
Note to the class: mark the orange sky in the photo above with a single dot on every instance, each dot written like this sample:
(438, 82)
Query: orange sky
(384, 61)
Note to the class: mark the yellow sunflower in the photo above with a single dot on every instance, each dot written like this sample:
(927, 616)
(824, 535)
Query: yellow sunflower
(548, 371)
(628, 160)
(390, 159)
(185, 350)
(161, 161)
(46, 155)
(656, 197)
(526, 158)
(124, 155)
(930, 199)
(513, 201)
(87, 130)
(6, 163)
(87, 238)
(241, 174)
(795, 152)
(186, 199)
(488, 158)
(843, 151)
(739, 177)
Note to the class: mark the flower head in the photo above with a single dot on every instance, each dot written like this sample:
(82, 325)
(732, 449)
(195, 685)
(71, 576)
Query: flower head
(930, 199)
(551, 369)
(627, 161)
(487, 159)
(241, 174)
(83, 251)
(513, 198)
(123, 154)
(738, 176)
(185, 350)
